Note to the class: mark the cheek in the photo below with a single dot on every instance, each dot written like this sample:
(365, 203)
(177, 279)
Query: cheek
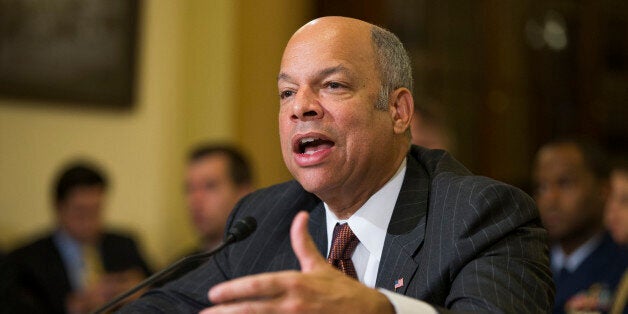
(543, 203)
(285, 134)
(622, 216)
(574, 202)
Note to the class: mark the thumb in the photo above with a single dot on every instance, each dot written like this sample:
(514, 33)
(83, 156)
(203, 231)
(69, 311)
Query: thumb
(303, 245)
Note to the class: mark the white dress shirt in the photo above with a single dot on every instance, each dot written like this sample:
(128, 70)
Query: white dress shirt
(369, 224)
(572, 261)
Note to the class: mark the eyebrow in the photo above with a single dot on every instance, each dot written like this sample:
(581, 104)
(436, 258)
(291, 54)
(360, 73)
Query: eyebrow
(323, 73)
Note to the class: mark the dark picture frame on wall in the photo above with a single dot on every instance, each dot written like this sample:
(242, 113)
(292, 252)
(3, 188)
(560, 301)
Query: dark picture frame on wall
(73, 51)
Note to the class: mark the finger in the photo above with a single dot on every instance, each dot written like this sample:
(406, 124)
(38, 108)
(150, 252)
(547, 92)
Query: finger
(249, 287)
(303, 245)
(258, 306)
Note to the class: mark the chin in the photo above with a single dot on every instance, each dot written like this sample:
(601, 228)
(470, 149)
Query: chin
(317, 187)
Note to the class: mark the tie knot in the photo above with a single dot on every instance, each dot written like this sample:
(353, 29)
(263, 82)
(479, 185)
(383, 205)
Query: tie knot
(344, 243)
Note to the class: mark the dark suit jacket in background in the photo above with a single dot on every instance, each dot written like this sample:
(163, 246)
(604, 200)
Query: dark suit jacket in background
(34, 278)
(458, 241)
(604, 266)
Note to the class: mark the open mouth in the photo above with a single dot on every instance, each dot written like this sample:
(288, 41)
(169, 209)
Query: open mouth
(311, 145)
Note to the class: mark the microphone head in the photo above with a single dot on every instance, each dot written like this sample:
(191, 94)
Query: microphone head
(242, 228)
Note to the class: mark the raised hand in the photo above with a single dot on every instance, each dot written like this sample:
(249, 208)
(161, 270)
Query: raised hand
(317, 288)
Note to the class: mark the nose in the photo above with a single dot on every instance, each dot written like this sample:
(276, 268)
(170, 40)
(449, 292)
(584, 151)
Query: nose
(307, 106)
(195, 195)
(549, 197)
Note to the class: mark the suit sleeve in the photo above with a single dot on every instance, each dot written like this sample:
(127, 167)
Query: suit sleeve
(120, 252)
(502, 250)
(188, 294)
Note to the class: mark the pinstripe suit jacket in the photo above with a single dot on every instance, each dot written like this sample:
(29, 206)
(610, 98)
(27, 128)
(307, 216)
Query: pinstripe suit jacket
(460, 242)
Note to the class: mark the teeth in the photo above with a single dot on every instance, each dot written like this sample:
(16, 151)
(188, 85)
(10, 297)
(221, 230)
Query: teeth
(304, 142)
(307, 140)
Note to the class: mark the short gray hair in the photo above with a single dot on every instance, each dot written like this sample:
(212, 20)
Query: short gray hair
(393, 63)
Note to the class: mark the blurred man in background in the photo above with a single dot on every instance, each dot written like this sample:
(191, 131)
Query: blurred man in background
(217, 177)
(429, 127)
(78, 266)
(572, 183)
(616, 217)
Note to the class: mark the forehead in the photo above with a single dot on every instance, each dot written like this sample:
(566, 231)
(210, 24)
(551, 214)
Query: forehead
(82, 193)
(215, 164)
(620, 178)
(313, 50)
(560, 159)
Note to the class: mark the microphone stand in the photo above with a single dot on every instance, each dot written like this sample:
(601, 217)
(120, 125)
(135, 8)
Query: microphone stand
(159, 275)
(240, 230)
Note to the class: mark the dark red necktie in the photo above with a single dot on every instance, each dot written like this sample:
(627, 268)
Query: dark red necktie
(343, 244)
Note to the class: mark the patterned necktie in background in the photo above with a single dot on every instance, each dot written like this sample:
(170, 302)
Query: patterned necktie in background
(343, 244)
(92, 265)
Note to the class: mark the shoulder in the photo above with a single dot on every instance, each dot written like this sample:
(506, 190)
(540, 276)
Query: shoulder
(34, 247)
(277, 198)
(289, 189)
(438, 161)
(118, 236)
(31, 256)
(609, 249)
(274, 207)
(475, 202)
(446, 174)
(118, 240)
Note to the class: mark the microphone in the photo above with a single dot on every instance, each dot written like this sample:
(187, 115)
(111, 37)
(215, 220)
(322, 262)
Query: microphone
(240, 230)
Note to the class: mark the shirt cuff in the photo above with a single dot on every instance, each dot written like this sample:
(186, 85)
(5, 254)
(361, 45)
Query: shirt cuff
(407, 305)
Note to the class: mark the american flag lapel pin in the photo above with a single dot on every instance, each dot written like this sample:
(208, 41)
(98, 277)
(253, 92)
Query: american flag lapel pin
(398, 283)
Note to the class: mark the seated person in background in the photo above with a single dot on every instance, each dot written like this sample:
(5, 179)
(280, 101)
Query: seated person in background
(429, 128)
(78, 266)
(217, 177)
(616, 219)
(571, 177)
(404, 228)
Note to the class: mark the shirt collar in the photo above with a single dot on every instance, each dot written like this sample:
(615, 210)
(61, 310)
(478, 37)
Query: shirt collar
(573, 260)
(370, 222)
(71, 255)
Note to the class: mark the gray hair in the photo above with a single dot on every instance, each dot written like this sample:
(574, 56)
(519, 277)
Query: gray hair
(393, 64)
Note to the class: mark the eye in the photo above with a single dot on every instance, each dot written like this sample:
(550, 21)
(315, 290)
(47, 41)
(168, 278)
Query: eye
(333, 85)
(210, 185)
(286, 94)
(566, 183)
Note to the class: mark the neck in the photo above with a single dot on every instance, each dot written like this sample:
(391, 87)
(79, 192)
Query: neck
(571, 244)
(344, 207)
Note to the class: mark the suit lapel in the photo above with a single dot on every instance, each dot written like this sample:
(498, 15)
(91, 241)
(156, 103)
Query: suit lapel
(406, 230)
(318, 228)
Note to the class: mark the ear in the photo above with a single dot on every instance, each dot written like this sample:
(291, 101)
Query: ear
(401, 109)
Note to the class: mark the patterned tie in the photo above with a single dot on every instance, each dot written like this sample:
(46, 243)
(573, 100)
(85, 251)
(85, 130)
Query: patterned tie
(343, 244)
(93, 265)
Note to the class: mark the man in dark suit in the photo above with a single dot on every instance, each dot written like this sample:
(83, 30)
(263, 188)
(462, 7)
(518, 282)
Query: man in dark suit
(79, 265)
(571, 176)
(217, 177)
(413, 226)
